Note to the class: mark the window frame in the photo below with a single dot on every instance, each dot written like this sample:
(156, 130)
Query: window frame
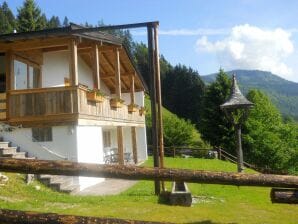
(28, 64)
(44, 134)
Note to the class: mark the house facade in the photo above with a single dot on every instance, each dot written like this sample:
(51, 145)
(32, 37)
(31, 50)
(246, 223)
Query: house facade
(66, 94)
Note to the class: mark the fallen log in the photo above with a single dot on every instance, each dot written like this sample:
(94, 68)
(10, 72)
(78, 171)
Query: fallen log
(288, 196)
(69, 168)
(21, 217)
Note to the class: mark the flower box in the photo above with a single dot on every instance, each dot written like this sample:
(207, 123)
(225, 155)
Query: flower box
(91, 96)
(142, 111)
(132, 108)
(116, 103)
(95, 95)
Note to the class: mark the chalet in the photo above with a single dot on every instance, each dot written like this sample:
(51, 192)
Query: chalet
(70, 94)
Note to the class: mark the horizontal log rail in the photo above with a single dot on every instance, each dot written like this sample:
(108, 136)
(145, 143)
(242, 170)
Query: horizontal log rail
(69, 168)
(21, 217)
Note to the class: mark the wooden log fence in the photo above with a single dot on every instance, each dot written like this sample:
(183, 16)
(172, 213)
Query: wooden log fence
(288, 196)
(21, 217)
(69, 168)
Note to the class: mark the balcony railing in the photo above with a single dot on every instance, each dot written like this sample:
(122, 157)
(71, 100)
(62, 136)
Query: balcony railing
(63, 104)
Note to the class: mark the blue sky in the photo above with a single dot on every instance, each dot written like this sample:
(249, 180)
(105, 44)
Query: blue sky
(206, 35)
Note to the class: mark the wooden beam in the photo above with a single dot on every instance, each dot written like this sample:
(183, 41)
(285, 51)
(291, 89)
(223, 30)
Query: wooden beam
(20, 217)
(73, 63)
(152, 92)
(106, 61)
(117, 74)
(158, 97)
(134, 144)
(95, 57)
(34, 44)
(120, 145)
(107, 75)
(9, 71)
(132, 89)
(68, 168)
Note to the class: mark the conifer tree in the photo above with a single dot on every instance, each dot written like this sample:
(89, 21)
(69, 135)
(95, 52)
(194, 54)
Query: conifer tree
(7, 24)
(214, 126)
(29, 17)
(54, 22)
(65, 21)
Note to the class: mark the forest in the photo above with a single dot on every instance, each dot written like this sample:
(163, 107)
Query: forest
(270, 139)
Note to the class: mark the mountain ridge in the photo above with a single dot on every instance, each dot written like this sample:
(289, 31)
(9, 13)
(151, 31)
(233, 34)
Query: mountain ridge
(282, 92)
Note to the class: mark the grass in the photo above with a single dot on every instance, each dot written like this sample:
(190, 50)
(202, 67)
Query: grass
(214, 203)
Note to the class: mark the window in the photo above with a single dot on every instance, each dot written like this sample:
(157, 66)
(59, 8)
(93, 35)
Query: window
(42, 134)
(27, 76)
(106, 139)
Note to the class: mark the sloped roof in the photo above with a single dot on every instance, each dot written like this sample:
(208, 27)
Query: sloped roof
(72, 30)
(236, 100)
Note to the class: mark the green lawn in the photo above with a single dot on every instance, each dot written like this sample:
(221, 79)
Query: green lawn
(214, 203)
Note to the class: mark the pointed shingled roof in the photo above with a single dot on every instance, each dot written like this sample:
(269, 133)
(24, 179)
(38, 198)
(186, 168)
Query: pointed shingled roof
(236, 100)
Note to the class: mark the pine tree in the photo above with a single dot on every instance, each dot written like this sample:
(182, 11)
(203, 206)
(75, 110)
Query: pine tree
(54, 22)
(65, 21)
(183, 90)
(7, 19)
(214, 126)
(29, 17)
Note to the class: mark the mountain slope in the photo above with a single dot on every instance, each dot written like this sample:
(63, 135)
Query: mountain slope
(283, 93)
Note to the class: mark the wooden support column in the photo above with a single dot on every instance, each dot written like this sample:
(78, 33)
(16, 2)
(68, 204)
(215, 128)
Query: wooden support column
(117, 73)
(159, 103)
(96, 72)
(134, 144)
(120, 145)
(73, 63)
(158, 97)
(132, 88)
(10, 79)
(152, 92)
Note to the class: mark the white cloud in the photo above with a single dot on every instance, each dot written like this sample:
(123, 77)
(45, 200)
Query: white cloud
(250, 47)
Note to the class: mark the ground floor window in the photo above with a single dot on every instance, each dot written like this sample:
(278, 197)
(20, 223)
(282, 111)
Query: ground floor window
(42, 134)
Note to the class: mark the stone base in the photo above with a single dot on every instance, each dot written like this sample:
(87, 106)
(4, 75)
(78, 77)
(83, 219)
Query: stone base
(180, 195)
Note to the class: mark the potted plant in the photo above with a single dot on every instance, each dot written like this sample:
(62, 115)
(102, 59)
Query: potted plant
(95, 95)
(132, 107)
(116, 102)
(142, 111)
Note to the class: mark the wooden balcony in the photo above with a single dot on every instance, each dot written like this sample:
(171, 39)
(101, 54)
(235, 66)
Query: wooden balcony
(63, 106)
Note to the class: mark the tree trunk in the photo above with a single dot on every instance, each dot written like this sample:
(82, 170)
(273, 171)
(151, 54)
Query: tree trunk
(20, 217)
(289, 196)
(69, 168)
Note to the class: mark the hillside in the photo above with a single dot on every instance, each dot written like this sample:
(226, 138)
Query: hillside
(283, 93)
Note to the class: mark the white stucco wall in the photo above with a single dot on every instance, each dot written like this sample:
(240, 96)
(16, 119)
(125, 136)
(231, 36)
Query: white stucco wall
(139, 98)
(56, 67)
(89, 150)
(127, 141)
(64, 142)
(141, 143)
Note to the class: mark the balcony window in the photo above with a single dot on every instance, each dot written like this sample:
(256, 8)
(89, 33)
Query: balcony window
(27, 76)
